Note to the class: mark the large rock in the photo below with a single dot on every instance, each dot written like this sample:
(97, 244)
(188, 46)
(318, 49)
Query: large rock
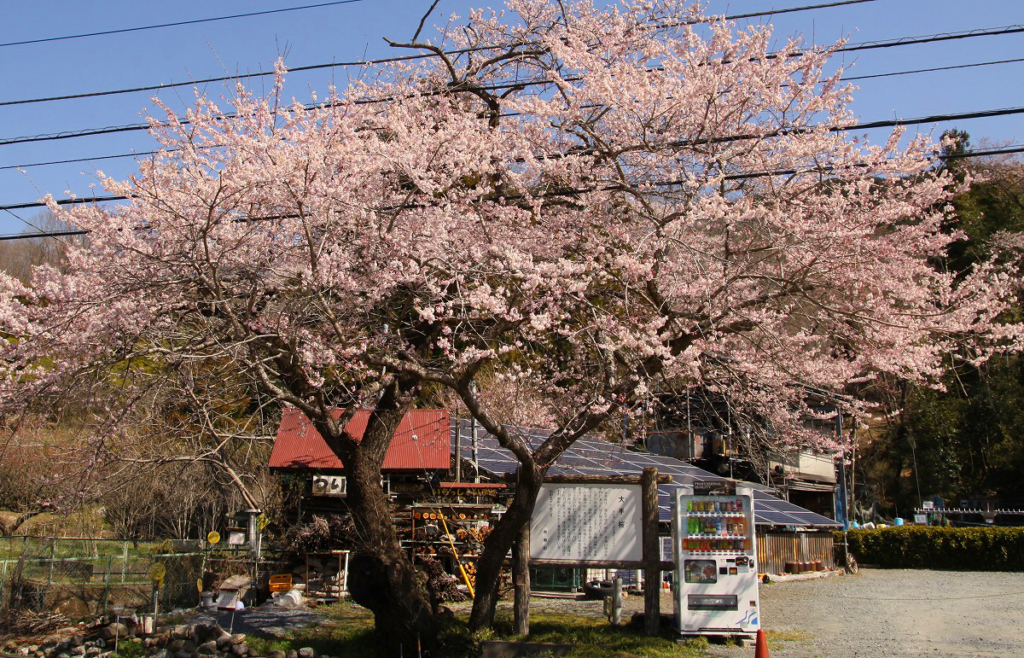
(73, 608)
(188, 646)
(207, 648)
(307, 652)
(203, 633)
(112, 631)
(277, 653)
(240, 649)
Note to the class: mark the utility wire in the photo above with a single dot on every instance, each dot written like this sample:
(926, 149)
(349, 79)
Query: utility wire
(177, 23)
(358, 63)
(977, 153)
(845, 78)
(74, 160)
(904, 41)
(952, 67)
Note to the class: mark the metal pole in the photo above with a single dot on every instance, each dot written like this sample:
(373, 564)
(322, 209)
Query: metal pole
(3, 579)
(106, 586)
(124, 560)
(458, 447)
(842, 508)
(476, 455)
(53, 556)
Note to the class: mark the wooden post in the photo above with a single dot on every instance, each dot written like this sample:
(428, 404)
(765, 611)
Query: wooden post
(651, 551)
(521, 582)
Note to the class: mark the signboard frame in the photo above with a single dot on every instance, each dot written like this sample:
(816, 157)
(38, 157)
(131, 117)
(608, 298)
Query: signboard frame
(608, 531)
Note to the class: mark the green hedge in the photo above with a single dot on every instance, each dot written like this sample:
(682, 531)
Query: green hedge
(963, 549)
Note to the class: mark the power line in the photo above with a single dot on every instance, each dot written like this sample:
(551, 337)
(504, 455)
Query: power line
(933, 38)
(74, 160)
(845, 78)
(952, 67)
(369, 62)
(976, 153)
(177, 23)
(888, 123)
(903, 41)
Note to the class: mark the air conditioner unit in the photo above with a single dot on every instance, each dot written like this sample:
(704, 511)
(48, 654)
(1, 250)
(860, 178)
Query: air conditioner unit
(335, 486)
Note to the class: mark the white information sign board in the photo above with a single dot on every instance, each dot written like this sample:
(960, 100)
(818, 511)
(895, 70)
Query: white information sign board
(587, 523)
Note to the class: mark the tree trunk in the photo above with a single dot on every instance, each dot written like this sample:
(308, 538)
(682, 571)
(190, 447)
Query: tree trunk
(498, 544)
(382, 578)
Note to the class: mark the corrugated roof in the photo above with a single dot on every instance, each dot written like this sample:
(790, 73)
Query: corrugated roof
(422, 442)
(596, 457)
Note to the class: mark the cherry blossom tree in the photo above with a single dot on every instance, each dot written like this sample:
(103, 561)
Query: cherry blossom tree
(602, 203)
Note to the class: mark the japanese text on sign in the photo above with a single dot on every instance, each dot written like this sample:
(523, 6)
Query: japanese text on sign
(587, 523)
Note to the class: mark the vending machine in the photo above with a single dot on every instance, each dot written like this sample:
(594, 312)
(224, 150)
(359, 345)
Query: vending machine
(715, 552)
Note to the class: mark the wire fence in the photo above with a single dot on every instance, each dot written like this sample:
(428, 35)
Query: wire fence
(80, 578)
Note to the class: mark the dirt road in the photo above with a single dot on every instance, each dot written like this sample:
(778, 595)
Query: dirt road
(907, 613)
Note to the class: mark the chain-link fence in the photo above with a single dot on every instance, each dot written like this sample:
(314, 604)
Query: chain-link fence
(82, 578)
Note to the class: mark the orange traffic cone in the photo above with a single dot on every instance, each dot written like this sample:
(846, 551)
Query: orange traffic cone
(761, 646)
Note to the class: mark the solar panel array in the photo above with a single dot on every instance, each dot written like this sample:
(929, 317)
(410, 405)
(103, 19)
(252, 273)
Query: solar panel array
(590, 457)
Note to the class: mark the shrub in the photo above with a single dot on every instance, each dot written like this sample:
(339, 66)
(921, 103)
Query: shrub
(963, 549)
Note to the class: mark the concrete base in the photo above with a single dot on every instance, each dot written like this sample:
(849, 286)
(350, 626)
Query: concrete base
(790, 577)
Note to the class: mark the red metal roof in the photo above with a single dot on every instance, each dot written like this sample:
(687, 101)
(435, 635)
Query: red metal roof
(421, 442)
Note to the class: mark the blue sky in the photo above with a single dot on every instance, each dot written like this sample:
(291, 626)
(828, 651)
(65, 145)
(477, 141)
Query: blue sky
(355, 31)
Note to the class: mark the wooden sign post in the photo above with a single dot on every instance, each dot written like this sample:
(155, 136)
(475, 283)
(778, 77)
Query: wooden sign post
(608, 536)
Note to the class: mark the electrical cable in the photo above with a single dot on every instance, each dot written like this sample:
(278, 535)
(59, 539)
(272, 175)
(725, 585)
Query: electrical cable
(903, 41)
(845, 79)
(978, 153)
(177, 23)
(74, 160)
(931, 70)
(371, 62)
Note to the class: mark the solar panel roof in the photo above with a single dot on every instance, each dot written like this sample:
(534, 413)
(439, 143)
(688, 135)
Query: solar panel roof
(591, 457)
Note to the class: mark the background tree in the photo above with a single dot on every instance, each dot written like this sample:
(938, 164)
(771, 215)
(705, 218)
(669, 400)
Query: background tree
(963, 440)
(599, 203)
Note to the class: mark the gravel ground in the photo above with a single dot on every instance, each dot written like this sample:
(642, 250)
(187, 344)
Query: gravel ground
(268, 621)
(882, 612)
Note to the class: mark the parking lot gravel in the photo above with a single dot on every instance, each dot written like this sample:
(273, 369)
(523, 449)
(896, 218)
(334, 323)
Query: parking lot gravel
(890, 612)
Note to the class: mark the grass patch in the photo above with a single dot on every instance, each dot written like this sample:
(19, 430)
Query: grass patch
(130, 649)
(347, 630)
(595, 638)
(787, 636)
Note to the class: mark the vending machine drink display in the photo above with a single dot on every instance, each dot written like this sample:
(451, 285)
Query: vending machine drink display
(715, 551)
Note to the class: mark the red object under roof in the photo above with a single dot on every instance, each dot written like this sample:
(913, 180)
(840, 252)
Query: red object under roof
(422, 442)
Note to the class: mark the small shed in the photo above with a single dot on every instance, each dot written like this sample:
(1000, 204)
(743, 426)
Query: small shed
(419, 452)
